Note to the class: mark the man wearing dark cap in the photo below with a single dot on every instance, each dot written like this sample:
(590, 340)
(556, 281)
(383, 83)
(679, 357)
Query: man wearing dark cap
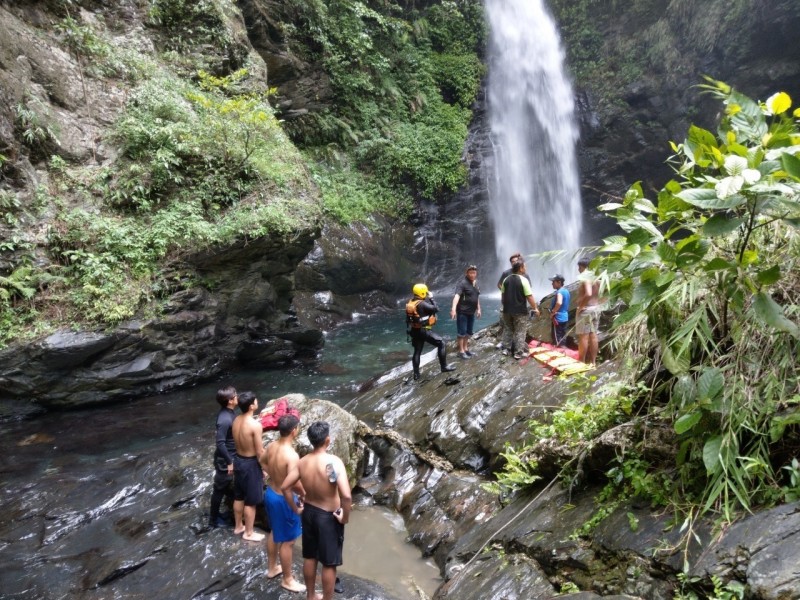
(559, 311)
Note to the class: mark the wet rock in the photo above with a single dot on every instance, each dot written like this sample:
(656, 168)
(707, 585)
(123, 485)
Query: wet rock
(497, 575)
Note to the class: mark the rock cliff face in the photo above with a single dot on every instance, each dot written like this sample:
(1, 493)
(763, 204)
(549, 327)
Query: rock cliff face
(246, 319)
(637, 67)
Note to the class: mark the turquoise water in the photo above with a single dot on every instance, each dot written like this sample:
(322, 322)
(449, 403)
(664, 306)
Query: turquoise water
(69, 466)
(355, 354)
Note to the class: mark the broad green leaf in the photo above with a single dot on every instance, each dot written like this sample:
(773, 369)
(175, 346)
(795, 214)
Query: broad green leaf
(701, 136)
(749, 257)
(628, 315)
(669, 205)
(644, 205)
(684, 390)
(609, 206)
(694, 195)
(707, 198)
(718, 264)
(665, 278)
(721, 224)
(771, 313)
(791, 164)
(711, 454)
(687, 421)
(666, 251)
(677, 364)
(769, 276)
(691, 253)
(710, 383)
(639, 236)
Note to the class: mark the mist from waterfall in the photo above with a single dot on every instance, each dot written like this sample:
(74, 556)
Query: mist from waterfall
(534, 190)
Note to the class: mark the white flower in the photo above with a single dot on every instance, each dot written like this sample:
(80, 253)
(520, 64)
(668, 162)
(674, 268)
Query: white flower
(739, 174)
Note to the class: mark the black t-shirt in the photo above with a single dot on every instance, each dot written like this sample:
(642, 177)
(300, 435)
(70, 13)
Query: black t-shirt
(467, 297)
(226, 447)
(514, 298)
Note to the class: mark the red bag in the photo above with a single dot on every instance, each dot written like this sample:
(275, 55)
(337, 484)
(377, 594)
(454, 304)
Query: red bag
(269, 421)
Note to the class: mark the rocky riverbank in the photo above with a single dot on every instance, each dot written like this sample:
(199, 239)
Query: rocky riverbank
(447, 433)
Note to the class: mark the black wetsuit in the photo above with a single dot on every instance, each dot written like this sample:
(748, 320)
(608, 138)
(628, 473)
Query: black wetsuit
(223, 456)
(420, 335)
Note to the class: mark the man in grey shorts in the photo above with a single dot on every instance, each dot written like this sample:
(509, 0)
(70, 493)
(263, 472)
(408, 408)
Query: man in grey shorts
(587, 315)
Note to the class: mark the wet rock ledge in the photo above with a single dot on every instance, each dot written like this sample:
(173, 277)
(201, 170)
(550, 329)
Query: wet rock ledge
(429, 444)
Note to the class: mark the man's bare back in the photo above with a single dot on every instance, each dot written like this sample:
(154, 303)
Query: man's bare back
(247, 436)
(315, 476)
(278, 458)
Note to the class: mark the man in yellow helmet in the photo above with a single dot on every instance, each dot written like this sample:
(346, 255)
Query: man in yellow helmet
(420, 316)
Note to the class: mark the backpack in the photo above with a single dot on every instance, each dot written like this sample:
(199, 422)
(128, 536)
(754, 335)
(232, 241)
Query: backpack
(413, 320)
(269, 421)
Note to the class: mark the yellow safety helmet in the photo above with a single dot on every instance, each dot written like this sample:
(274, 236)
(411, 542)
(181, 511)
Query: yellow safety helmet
(420, 290)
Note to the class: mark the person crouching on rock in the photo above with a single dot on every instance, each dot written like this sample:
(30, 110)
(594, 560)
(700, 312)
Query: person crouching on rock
(421, 316)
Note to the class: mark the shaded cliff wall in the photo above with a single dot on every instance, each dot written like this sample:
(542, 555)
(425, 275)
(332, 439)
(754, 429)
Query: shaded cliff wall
(637, 65)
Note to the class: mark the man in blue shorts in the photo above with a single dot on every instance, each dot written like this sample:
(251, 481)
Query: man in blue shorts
(559, 311)
(325, 509)
(278, 459)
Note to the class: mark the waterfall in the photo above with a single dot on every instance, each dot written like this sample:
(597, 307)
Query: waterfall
(534, 190)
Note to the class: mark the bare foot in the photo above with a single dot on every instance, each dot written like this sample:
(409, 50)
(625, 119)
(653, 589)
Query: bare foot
(275, 573)
(253, 537)
(293, 585)
(238, 531)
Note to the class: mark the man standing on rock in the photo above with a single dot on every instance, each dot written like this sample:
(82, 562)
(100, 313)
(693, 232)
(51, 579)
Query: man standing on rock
(516, 296)
(325, 509)
(248, 481)
(223, 456)
(278, 459)
(559, 311)
(420, 317)
(587, 315)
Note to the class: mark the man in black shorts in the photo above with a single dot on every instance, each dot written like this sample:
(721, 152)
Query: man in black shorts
(248, 481)
(325, 509)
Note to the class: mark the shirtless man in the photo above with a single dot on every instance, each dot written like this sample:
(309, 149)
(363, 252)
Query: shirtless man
(248, 480)
(587, 315)
(325, 509)
(278, 459)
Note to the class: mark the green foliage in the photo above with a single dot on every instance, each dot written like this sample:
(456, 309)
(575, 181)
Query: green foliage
(424, 155)
(458, 77)
(586, 414)
(709, 271)
(791, 492)
(174, 133)
(351, 196)
(199, 165)
(631, 477)
(31, 124)
(569, 588)
(189, 23)
(395, 85)
(690, 589)
(519, 472)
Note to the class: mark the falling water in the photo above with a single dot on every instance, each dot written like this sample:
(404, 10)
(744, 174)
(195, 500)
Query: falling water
(534, 193)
